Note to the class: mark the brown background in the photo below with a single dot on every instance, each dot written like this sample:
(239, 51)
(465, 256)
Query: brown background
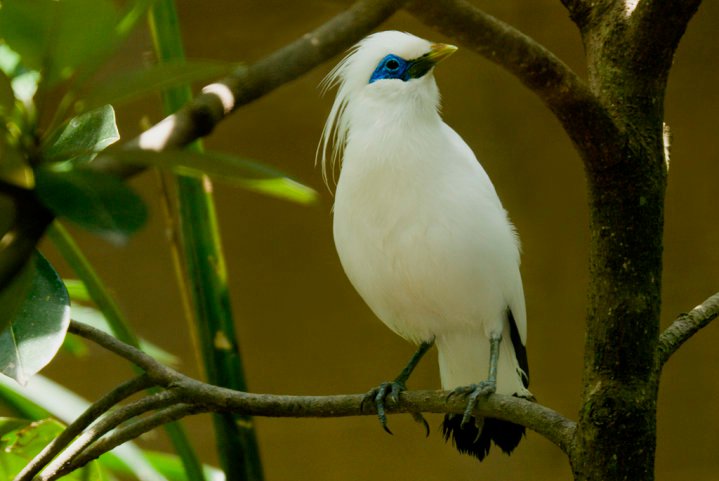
(303, 329)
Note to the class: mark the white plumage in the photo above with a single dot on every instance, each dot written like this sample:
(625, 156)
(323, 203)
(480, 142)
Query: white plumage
(418, 226)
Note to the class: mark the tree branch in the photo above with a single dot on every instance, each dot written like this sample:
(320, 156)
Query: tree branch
(539, 418)
(122, 435)
(579, 11)
(91, 414)
(201, 116)
(685, 326)
(160, 374)
(565, 94)
(106, 424)
(656, 27)
(186, 396)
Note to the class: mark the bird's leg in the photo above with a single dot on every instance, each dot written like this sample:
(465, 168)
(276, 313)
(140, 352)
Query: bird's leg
(484, 388)
(392, 389)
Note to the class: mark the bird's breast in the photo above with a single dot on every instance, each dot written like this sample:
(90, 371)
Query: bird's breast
(419, 236)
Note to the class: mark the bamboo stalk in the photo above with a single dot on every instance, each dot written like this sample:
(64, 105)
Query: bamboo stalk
(206, 276)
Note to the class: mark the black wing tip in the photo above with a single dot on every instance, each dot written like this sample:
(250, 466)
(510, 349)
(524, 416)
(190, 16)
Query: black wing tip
(520, 349)
(469, 440)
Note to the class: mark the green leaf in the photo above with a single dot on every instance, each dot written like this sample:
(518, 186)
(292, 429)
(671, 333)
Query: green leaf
(59, 37)
(83, 136)
(14, 295)
(11, 424)
(42, 397)
(38, 326)
(77, 290)
(282, 188)
(25, 85)
(18, 446)
(245, 173)
(97, 202)
(23, 81)
(9, 61)
(169, 465)
(18, 403)
(128, 86)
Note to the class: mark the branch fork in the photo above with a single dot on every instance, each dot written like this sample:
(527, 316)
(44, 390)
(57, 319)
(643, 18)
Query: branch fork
(104, 426)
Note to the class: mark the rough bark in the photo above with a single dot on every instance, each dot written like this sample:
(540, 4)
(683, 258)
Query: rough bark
(628, 64)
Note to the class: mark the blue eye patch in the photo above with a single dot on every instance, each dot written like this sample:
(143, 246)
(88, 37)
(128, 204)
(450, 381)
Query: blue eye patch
(394, 67)
(391, 67)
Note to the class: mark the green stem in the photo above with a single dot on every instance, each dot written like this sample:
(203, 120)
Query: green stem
(119, 326)
(207, 278)
(71, 252)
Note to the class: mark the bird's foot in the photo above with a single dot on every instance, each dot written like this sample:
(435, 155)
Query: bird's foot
(380, 395)
(472, 393)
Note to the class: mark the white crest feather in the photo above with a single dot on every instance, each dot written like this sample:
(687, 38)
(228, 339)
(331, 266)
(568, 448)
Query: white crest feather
(350, 75)
(334, 133)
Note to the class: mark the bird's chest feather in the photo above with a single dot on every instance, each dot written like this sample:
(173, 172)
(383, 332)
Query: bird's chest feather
(405, 230)
(386, 201)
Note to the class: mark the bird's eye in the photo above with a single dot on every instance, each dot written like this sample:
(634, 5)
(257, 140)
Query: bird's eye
(392, 64)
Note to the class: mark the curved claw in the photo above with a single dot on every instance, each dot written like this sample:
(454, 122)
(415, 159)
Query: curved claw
(391, 391)
(421, 420)
(378, 395)
(473, 393)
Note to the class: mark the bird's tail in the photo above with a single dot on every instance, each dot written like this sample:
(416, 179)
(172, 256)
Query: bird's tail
(464, 360)
(476, 436)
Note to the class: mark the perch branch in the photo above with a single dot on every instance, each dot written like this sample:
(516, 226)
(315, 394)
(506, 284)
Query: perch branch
(185, 396)
(121, 392)
(685, 326)
(539, 418)
(579, 111)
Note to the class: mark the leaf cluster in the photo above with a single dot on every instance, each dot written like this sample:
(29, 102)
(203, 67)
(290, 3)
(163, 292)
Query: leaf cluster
(56, 121)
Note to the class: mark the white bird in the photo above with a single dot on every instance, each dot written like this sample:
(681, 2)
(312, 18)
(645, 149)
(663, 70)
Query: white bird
(421, 233)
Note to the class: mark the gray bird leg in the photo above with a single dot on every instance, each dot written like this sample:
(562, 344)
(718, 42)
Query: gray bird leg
(493, 359)
(484, 388)
(392, 389)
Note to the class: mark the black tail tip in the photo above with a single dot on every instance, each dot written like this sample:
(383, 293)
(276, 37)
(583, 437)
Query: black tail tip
(469, 440)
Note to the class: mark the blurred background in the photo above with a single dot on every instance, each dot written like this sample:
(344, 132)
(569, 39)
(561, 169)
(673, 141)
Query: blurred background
(302, 327)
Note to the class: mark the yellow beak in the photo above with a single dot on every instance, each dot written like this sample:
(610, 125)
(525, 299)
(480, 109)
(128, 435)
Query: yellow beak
(440, 51)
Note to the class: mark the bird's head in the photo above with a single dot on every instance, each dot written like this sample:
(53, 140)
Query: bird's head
(383, 70)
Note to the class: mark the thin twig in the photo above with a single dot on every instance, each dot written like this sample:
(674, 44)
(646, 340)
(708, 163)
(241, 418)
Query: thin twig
(685, 326)
(106, 424)
(91, 414)
(123, 435)
(159, 373)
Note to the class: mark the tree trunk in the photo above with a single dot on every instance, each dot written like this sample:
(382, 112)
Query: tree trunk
(627, 174)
